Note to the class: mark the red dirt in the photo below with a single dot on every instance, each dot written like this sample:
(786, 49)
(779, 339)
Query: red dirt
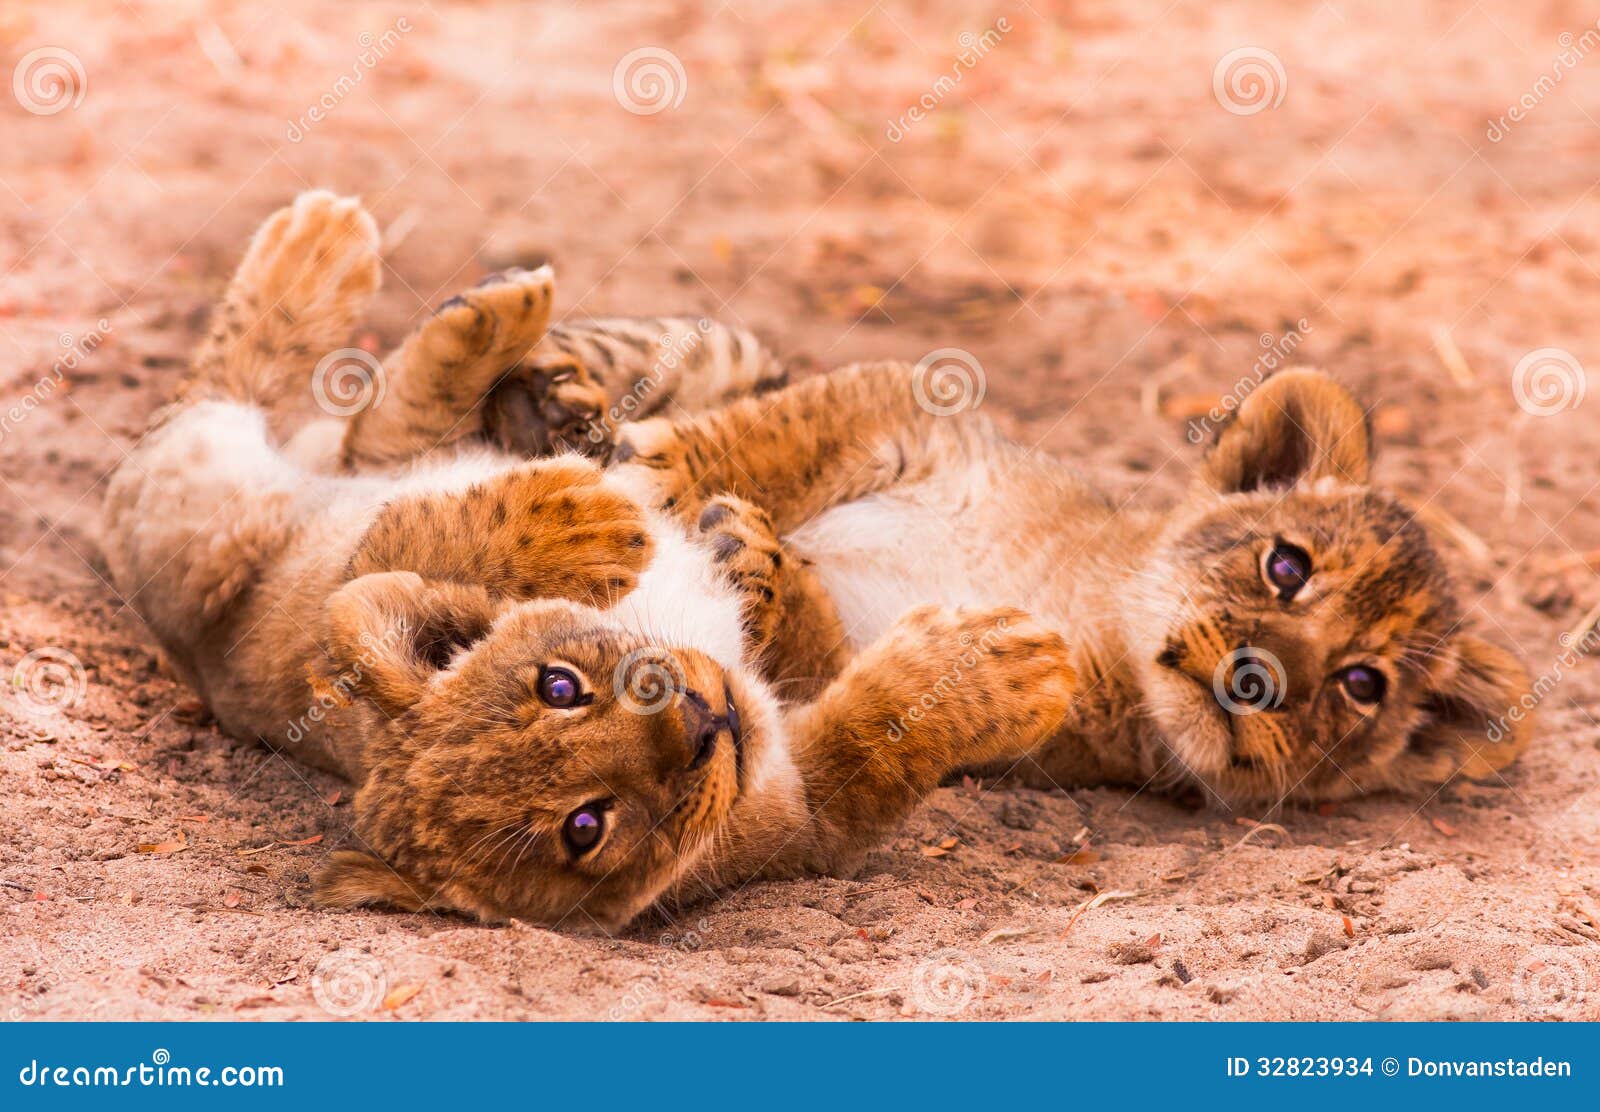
(1079, 212)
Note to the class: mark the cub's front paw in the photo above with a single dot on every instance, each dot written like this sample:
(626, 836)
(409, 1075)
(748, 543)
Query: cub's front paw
(744, 545)
(542, 407)
(1007, 678)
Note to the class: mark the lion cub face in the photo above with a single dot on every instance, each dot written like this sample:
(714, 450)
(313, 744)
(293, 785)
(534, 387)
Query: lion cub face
(531, 759)
(1296, 633)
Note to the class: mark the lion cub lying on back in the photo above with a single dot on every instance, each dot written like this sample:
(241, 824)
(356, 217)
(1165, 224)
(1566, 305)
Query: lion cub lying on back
(548, 693)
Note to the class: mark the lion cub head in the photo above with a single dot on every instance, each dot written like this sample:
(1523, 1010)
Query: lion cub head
(529, 759)
(1296, 635)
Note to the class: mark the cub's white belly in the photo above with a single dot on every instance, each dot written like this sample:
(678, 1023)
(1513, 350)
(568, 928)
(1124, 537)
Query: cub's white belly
(886, 553)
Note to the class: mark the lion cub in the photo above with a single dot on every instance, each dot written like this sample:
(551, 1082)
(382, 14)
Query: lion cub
(547, 692)
(1287, 632)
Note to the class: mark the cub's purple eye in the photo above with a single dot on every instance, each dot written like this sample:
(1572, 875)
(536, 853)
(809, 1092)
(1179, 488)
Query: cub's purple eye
(559, 688)
(1286, 569)
(584, 828)
(1363, 684)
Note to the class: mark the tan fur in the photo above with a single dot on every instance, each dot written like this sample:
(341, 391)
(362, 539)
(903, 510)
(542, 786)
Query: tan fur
(892, 506)
(399, 628)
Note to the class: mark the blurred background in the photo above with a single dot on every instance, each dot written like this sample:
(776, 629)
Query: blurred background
(1117, 211)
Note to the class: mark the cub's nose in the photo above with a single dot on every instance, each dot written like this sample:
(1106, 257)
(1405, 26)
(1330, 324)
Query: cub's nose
(701, 725)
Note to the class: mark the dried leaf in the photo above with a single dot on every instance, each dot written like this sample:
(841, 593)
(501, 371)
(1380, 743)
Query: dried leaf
(1443, 827)
(176, 845)
(311, 841)
(399, 996)
(934, 851)
(1085, 856)
(1349, 927)
(1154, 940)
(231, 898)
(950, 843)
(333, 797)
(258, 870)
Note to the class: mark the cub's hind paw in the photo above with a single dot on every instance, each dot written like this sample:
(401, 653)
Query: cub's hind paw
(744, 546)
(476, 336)
(549, 405)
(312, 265)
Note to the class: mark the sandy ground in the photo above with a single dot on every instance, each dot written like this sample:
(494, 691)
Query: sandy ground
(1080, 211)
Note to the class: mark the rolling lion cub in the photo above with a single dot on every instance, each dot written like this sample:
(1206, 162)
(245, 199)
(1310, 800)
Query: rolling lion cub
(1288, 632)
(547, 692)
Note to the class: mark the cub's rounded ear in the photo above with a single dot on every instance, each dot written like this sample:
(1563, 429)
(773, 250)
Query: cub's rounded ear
(351, 879)
(389, 632)
(1297, 426)
(1477, 717)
